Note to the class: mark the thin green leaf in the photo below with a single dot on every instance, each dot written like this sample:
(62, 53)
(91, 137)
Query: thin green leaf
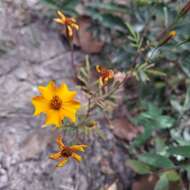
(156, 160)
(162, 184)
(139, 167)
(180, 150)
(172, 175)
(112, 7)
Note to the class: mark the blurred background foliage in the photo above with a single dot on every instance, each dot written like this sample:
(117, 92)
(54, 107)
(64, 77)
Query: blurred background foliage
(132, 33)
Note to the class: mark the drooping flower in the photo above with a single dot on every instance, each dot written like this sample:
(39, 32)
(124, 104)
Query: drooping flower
(69, 23)
(66, 152)
(57, 102)
(104, 75)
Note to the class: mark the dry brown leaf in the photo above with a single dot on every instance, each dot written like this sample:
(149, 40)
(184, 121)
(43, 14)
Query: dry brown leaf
(123, 129)
(145, 183)
(87, 43)
(149, 182)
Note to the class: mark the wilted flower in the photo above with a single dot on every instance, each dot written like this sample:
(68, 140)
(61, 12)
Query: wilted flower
(168, 37)
(119, 76)
(105, 75)
(66, 152)
(57, 103)
(70, 24)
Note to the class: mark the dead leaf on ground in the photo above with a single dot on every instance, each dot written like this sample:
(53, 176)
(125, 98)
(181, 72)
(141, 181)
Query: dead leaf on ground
(123, 129)
(145, 183)
(149, 182)
(87, 42)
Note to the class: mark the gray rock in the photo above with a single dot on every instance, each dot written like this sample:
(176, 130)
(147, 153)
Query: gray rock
(3, 178)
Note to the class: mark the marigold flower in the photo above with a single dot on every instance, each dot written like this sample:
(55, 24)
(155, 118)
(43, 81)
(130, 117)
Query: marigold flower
(57, 102)
(104, 75)
(70, 24)
(66, 152)
(168, 37)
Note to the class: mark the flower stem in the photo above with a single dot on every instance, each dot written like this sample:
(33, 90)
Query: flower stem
(72, 59)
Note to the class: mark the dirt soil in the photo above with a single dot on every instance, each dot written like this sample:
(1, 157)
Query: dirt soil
(31, 53)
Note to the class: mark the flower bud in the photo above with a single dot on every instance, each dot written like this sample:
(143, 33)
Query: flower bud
(168, 37)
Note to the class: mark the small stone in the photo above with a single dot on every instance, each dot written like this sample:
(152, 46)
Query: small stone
(3, 178)
(21, 74)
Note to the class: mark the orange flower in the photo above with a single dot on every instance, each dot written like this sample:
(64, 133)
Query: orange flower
(70, 24)
(66, 152)
(57, 102)
(105, 75)
(168, 37)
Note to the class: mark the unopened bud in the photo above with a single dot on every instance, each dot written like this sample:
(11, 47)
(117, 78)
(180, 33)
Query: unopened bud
(170, 36)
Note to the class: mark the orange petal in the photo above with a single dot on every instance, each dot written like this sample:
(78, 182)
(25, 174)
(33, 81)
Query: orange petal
(48, 91)
(78, 147)
(55, 156)
(59, 141)
(98, 68)
(76, 157)
(40, 104)
(62, 163)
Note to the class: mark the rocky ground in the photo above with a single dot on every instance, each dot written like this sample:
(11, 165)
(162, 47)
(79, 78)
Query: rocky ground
(31, 53)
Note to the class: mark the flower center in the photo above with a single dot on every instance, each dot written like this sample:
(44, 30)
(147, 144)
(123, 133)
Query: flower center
(55, 103)
(66, 152)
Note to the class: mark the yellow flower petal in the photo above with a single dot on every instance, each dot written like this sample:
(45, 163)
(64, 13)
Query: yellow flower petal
(79, 147)
(59, 21)
(76, 157)
(69, 31)
(74, 24)
(64, 93)
(72, 105)
(48, 91)
(62, 163)
(59, 142)
(69, 113)
(98, 68)
(101, 81)
(53, 118)
(55, 156)
(61, 14)
(40, 105)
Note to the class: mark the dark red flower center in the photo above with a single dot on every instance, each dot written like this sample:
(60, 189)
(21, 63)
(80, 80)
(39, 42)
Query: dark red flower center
(66, 152)
(55, 103)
